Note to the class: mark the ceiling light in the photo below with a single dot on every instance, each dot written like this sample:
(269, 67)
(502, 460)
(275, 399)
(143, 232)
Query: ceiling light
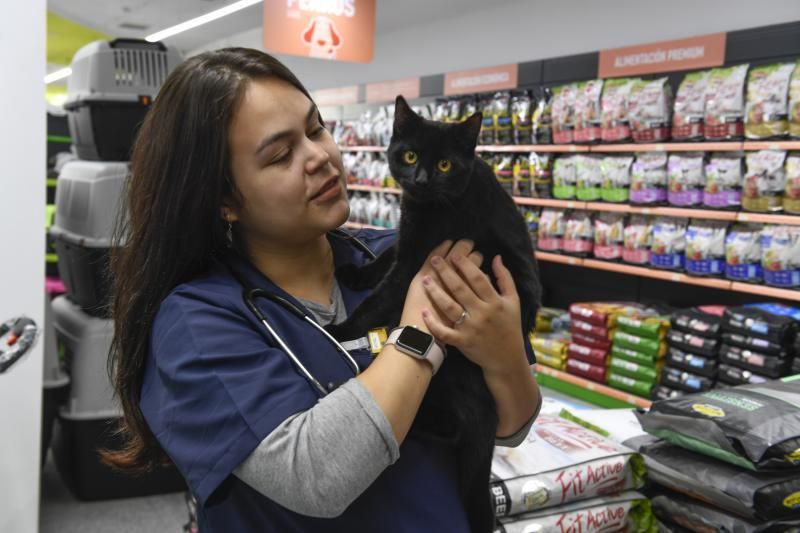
(59, 74)
(199, 21)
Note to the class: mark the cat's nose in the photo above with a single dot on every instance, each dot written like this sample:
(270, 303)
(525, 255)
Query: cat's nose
(421, 177)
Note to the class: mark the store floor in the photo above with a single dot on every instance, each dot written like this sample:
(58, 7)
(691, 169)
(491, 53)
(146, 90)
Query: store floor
(61, 512)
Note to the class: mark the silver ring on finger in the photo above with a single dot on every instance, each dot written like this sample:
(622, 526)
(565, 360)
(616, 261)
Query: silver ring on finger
(460, 320)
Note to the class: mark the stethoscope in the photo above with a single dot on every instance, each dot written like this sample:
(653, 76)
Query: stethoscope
(250, 294)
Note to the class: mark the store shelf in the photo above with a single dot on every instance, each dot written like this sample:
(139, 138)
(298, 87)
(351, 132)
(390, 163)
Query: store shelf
(669, 147)
(772, 145)
(372, 188)
(586, 390)
(558, 258)
(547, 202)
(542, 148)
(362, 148)
(763, 290)
(356, 225)
(793, 220)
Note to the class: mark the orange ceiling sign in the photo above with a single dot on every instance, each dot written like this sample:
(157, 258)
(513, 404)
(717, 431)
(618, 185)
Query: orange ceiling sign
(387, 91)
(481, 80)
(338, 96)
(337, 30)
(667, 56)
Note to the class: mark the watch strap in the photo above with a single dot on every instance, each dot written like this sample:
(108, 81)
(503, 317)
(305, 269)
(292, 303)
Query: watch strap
(435, 354)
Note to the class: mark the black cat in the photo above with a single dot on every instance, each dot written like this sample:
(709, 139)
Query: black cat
(448, 193)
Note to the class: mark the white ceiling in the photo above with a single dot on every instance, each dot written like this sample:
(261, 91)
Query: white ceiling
(114, 17)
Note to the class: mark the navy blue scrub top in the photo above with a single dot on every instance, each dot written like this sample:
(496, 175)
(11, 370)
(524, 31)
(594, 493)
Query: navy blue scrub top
(215, 385)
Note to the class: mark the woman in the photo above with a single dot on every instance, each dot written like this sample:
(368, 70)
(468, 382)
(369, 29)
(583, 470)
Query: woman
(237, 184)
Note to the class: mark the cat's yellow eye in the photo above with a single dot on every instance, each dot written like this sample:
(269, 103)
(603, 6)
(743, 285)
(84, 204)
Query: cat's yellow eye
(444, 165)
(409, 157)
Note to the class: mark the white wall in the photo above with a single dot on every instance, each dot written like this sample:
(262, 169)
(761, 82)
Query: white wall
(22, 181)
(518, 31)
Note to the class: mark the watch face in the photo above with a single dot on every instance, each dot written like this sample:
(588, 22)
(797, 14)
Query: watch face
(414, 340)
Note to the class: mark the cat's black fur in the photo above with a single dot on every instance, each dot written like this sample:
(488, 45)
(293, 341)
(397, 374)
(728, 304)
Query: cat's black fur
(465, 203)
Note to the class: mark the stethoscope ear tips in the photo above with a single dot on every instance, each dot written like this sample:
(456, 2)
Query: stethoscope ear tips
(331, 386)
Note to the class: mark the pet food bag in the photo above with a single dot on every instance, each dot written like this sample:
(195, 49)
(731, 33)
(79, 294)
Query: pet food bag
(634, 356)
(767, 111)
(756, 427)
(696, 344)
(743, 253)
(615, 125)
(662, 392)
(587, 111)
(733, 375)
(791, 194)
(696, 364)
(649, 110)
(636, 240)
(589, 329)
(551, 319)
(687, 118)
(758, 363)
(637, 387)
(776, 322)
(616, 175)
(705, 248)
(586, 370)
(794, 103)
(764, 181)
(591, 341)
(653, 348)
(563, 113)
(579, 234)
(687, 180)
(704, 321)
(754, 495)
(550, 348)
(609, 236)
(531, 215)
(552, 226)
(486, 135)
(724, 103)
(605, 314)
(501, 117)
(623, 367)
(650, 327)
(540, 167)
(565, 178)
(504, 171)
(649, 180)
(628, 512)
(678, 379)
(669, 243)
(521, 111)
(588, 177)
(724, 178)
(522, 176)
(542, 118)
(593, 356)
(780, 255)
(758, 344)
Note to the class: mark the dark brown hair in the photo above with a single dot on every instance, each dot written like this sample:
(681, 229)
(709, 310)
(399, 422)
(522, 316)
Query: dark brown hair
(173, 228)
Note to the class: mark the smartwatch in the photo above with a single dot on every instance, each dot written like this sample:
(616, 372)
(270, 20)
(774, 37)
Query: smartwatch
(418, 344)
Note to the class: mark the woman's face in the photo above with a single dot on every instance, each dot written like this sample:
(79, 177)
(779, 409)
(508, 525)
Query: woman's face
(285, 166)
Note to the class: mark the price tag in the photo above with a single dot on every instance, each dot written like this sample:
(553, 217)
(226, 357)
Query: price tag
(675, 277)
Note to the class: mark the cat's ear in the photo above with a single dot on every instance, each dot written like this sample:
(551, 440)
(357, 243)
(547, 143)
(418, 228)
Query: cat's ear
(472, 128)
(404, 116)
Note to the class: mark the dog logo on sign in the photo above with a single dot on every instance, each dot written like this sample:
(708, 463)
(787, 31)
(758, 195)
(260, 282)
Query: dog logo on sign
(322, 38)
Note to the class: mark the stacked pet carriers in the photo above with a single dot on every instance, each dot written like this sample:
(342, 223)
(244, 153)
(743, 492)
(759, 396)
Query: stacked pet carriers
(109, 92)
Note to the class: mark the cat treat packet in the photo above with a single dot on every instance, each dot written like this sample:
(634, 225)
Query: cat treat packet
(705, 248)
(563, 113)
(532, 216)
(501, 116)
(615, 124)
(780, 255)
(587, 111)
(767, 112)
(565, 178)
(725, 104)
(609, 236)
(724, 178)
(540, 168)
(588, 177)
(552, 225)
(687, 180)
(542, 118)
(616, 174)
(765, 181)
(486, 135)
(649, 110)
(794, 103)
(669, 243)
(521, 111)
(743, 253)
(636, 240)
(687, 118)
(504, 170)
(791, 194)
(522, 176)
(649, 180)
(579, 234)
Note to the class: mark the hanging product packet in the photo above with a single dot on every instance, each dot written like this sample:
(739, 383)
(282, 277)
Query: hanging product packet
(487, 133)
(521, 110)
(756, 427)
(540, 168)
(615, 125)
(794, 103)
(609, 236)
(765, 181)
(542, 118)
(669, 243)
(531, 215)
(563, 113)
(441, 110)
(501, 116)
(628, 511)
(724, 178)
(649, 179)
(552, 226)
(791, 195)
(454, 110)
(687, 119)
(504, 171)
(579, 234)
(687, 180)
(565, 178)
(587, 111)
(705, 247)
(767, 112)
(724, 103)
(649, 110)
(780, 255)
(588, 177)
(743, 253)
(522, 176)
(616, 174)
(636, 240)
